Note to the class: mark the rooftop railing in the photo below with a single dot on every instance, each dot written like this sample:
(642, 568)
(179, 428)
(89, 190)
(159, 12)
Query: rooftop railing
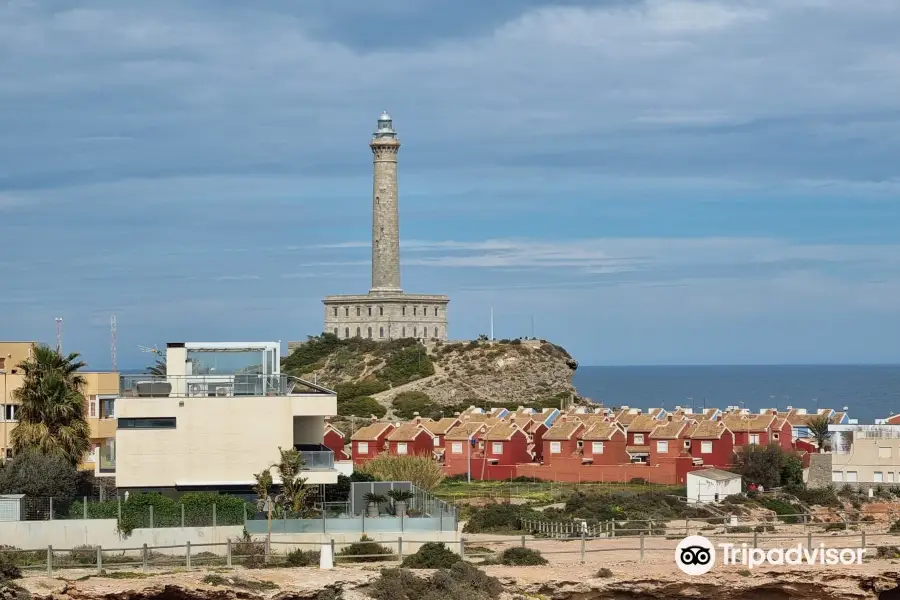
(213, 385)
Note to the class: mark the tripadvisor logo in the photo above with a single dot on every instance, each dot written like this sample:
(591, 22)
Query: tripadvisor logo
(696, 555)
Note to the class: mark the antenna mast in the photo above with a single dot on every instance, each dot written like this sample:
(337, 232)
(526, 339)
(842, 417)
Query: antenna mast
(113, 343)
(59, 335)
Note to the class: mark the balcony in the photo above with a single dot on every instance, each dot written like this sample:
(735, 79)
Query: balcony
(316, 457)
(212, 385)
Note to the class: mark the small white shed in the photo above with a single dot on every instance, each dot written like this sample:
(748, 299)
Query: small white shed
(711, 485)
(11, 507)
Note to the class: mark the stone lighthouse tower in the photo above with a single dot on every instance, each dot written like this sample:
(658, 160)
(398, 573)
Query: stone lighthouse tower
(386, 312)
(385, 213)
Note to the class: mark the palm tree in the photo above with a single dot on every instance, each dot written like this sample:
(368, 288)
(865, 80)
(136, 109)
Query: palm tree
(818, 429)
(159, 368)
(51, 415)
(45, 359)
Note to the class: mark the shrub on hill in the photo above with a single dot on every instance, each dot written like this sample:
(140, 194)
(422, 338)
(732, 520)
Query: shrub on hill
(462, 581)
(522, 557)
(367, 387)
(498, 518)
(362, 406)
(365, 550)
(406, 404)
(407, 364)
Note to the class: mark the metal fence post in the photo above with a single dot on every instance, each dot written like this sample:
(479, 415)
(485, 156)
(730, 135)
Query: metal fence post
(99, 560)
(214, 515)
(400, 548)
(582, 547)
(228, 553)
(50, 516)
(642, 547)
(333, 555)
(523, 541)
(245, 512)
(187, 554)
(182, 515)
(809, 540)
(863, 539)
(151, 516)
(462, 548)
(755, 539)
(119, 505)
(49, 561)
(145, 558)
(85, 508)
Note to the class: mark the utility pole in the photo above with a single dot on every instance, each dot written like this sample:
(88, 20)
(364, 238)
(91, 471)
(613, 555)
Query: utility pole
(532, 326)
(492, 323)
(113, 343)
(59, 322)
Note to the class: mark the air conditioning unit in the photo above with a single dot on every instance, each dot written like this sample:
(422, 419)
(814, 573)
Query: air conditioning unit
(223, 390)
(197, 389)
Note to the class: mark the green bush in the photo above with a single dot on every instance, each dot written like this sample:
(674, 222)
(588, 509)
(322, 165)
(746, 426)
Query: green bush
(365, 550)
(302, 558)
(604, 572)
(362, 406)
(462, 581)
(835, 527)
(368, 387)
(895, 527)
(431, 555)
(785, 510)
(167, 511)
(499, 517)
(8, 568)
(521, 557)
(407, 364)
(406, 404)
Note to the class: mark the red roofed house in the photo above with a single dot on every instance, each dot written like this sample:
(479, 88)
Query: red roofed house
(604, 444)
(462, 443)
(751, 429)
(369, 441)
(638, 432)
(712, 444)
(505, 446)
(411, 439)
(439, 429)
(669, 440)
(562, 440)
(335, 441)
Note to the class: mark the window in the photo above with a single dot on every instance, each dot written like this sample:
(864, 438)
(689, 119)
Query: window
(403, 311)
(879, 477)
(347, 332)
(11, 412)
(357, 311)
(705, 447)
(414, 310)
(381, 311)
(414, 332)
(403, 332)
(2, 363)
(754, 439)
(147, 423)
(662, 446)
(425, 311)
(597, 447)
(92, 453)
(335, 332)
(370, 311)
(437, 442)
(638, 439)
(346, 311)
(687, 443)
(890, 477)
(851, 477)
(456, 448)
(381, 332)
(401, 447)
(107, 408)
(497, 448)
(9, 453)
(884, 452)
(837, 476)
(92, 408)
(362, 447)
(358, 330)
(335, 311)
(370, 333)
(425, 332)
(555, 447)
(775, 435)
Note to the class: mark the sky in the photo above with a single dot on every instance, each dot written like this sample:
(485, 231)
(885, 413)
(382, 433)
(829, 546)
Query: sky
(642, 182)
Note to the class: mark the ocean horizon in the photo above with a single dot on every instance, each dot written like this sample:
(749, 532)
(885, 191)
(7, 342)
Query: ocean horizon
(868, 391)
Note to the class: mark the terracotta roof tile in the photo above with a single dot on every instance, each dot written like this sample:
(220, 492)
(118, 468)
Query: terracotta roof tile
(637, 449)
(669, 430)
(564, 430)
(408, 432)
(440, 427)
(749, 422)
(643, 424)
(601, 430)
(708, 430)
(501, 432)
(464, 431)
(370, 433)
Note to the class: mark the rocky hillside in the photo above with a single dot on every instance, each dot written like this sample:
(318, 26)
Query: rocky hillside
(436, 376)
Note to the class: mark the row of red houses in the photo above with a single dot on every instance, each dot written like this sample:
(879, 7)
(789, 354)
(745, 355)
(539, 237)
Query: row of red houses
(581, 444)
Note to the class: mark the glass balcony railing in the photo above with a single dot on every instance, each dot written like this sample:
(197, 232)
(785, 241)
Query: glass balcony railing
(214, 385)
(316, 457)
(107, 454)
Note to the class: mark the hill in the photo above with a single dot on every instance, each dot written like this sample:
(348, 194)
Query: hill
(434, 378)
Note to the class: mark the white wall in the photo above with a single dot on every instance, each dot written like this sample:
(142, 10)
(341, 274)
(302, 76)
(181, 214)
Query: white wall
(65, 535)
(701, 489)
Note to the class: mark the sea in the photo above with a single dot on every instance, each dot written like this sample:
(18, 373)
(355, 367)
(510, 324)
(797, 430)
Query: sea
(868, 391)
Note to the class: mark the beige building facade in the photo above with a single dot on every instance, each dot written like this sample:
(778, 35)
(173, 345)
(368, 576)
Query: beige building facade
(100, 391)
(212, 423)
(386, 312)
(865, 455)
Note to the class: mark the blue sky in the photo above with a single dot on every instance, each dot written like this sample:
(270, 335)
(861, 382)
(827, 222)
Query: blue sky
(653, 182)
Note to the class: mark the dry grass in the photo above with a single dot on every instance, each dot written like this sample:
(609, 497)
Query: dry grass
(421, 471)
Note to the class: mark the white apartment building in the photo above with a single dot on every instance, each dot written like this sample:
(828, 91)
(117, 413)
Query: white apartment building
(217, 417)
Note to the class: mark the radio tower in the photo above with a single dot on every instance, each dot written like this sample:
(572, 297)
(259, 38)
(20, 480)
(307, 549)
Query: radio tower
(113, 342)
(59, 335)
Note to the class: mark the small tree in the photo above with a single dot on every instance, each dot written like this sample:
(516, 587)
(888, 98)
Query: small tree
(764, 465)
(295, 493)
(262, 487)
(39, 475)
(818, 429)
(421, 471)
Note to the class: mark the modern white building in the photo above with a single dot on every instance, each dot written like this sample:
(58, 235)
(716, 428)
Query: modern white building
(216, 417)
(711, 485)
